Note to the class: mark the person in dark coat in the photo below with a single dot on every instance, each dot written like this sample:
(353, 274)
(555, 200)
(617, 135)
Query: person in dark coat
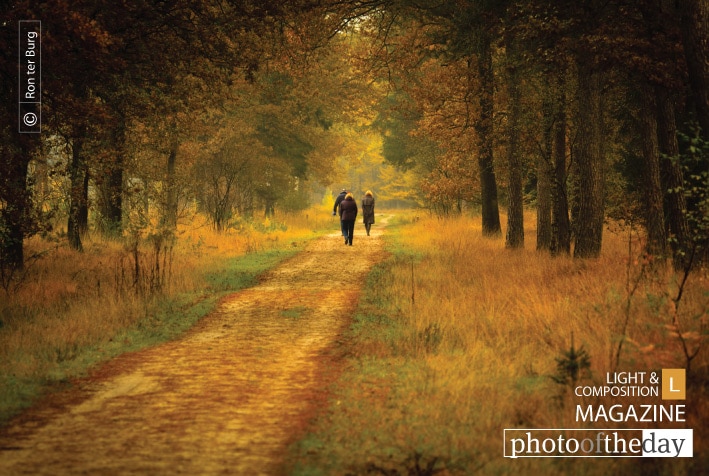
(348, 215)
(338, 200)
(368, 210)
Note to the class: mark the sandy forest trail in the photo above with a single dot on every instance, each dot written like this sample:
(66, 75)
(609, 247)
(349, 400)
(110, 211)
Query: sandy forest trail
(226, 398)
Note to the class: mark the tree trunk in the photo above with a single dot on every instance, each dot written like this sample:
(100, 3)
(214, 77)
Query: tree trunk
(113, 213)
(76, 225)
(83, 221)
(561, 226)
(695, 38)
(545, 172)
(654, 217)
(544, 204)
(488, 184)
(591, 164)
(269, 208)
(515, 213)
(169, 219)
(671, 176)
(16, 200)
(112, 204)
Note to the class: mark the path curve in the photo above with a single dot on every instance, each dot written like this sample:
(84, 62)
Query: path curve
(226, 398)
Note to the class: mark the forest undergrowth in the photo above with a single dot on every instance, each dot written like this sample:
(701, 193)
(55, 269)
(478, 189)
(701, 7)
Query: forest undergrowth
(457, 338)
(68, 310)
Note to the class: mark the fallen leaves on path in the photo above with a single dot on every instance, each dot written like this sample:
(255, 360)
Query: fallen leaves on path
(226, 398)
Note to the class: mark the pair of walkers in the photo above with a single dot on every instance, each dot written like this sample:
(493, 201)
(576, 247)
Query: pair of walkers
(348, 213)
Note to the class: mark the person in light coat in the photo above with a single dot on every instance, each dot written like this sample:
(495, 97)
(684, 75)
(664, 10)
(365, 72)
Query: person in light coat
(368, 210)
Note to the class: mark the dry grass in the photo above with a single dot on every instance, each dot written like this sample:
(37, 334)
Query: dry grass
(527, 304)
(69, 307)
(459, 337)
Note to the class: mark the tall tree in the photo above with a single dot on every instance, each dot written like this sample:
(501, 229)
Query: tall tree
(72, 43)
(672, 176)
(544, 168)
(540, 28)
(561, 227)
(515, 214)
(590, 156)
(16, 150)
(656, 65)
(694, 16)
(473, 27)
(654, 197)
(484, 128)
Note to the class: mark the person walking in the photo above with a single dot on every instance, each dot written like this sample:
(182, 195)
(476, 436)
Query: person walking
(348, 215)
(368, 210)
(338, 201)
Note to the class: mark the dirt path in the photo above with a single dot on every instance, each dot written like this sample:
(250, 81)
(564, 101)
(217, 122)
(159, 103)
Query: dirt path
(227, 398)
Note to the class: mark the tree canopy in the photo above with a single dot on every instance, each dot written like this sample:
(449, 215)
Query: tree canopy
(229, 108)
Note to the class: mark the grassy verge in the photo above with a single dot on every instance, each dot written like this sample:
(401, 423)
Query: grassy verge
(457, 338)
(74, 311)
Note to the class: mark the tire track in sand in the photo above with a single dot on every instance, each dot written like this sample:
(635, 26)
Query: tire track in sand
(226, 398)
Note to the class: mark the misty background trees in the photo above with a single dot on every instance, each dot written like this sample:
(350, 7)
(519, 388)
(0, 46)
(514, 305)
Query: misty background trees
(156, 111)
